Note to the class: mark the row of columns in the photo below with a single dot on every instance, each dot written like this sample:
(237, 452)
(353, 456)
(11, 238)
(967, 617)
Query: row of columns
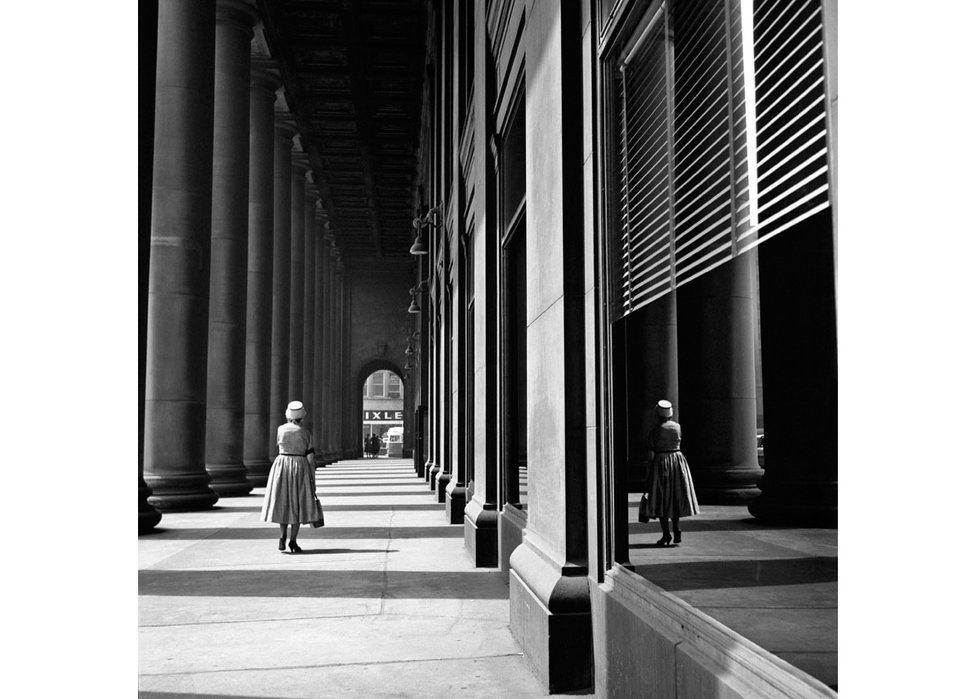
(243, 271)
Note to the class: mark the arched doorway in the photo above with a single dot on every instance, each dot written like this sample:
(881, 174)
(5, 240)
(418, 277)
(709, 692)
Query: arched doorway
(382, 412)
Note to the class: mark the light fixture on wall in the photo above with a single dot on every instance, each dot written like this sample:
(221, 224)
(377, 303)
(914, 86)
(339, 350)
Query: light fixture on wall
(420, 288)
(433, 219)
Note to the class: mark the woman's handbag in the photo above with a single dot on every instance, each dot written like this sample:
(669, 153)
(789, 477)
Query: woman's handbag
(318, 522)
(644, 514)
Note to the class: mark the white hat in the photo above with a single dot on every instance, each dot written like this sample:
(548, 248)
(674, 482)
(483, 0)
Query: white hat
(665, 409)
(295, 410)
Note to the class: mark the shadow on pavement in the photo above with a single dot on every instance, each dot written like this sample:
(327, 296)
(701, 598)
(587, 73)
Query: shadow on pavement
(363, 584)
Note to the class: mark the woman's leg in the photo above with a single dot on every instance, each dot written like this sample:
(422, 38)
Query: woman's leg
(665, 527)
(295, 531)
(677, 529)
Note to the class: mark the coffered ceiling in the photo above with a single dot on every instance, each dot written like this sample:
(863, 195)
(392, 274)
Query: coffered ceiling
(353, 71)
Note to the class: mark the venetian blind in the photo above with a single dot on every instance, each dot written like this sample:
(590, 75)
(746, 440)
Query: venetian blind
(721, 136)
(791, 113)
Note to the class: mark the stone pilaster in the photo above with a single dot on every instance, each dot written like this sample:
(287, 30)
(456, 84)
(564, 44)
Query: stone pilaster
(224, 446)
(550, 608)
(281, 259)
(180, 232)
(435, 364)
(717, 411)
(481, 518)
(258, 340)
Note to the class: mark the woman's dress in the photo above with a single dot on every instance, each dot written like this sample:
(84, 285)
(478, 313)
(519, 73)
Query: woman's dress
(671, 488)
(290, 495)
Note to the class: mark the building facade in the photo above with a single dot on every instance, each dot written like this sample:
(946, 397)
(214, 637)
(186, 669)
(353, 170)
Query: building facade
(634, 201)
(606, 203)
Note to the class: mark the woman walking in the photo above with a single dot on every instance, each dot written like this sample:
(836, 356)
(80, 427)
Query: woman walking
(290, 493)
(670, 488)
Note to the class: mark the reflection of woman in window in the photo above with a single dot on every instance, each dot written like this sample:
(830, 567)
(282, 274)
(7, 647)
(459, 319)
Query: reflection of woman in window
(670, 489)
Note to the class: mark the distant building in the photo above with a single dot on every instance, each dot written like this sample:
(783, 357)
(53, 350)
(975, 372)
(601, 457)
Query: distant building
(383, 397)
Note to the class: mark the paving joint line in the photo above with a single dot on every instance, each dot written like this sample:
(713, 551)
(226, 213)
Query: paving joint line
(328, 665)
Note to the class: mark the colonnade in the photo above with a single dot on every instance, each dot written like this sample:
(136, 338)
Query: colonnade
(245, 280)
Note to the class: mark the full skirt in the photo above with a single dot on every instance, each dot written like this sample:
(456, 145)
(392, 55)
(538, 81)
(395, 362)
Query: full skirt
(290, 497)
(671, 491)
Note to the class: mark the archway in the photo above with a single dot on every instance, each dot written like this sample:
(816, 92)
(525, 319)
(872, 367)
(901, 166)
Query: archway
(381, 420)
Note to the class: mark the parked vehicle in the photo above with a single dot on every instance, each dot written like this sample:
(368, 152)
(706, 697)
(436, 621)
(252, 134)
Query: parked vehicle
(394, 441)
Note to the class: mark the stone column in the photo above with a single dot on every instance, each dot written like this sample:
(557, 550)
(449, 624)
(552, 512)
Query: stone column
(550, 609)
(717, 412)
(799, 376)
(331, 343)
(149, 517)
(258, 335)
(297, 268)
(309, 272)
(319, 351)
(282, 239)
(180, 233)
(337, 387)
(333, 327)
(224, 446)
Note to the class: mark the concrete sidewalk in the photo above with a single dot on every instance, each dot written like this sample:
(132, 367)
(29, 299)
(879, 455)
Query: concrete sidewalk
(383, 601)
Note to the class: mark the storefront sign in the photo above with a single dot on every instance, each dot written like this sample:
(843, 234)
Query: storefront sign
(383, 415)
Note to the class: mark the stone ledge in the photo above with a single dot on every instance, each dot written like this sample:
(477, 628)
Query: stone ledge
(708, 658)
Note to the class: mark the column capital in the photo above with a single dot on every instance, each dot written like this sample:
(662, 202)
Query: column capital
(266, 77)
(238, 14)
(301, 163)
(285, 125)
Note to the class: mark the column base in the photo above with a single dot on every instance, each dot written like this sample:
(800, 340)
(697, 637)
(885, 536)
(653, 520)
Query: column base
(149, 517)
(511, 526)
(551, 619)
(800, 503)
(257, 472)
(180, 494)
(733, 486)
(480, 533)
(443, 479)
(423, 472)
(455, 503)
(229, 480)
(433, 475)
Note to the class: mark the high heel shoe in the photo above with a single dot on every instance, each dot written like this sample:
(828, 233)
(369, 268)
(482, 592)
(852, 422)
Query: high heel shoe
(664, 541)
(677, 537)
(294, 547)
(282, 544)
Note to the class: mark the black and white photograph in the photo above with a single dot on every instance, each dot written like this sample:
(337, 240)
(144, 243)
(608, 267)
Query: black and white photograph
(594, 450)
